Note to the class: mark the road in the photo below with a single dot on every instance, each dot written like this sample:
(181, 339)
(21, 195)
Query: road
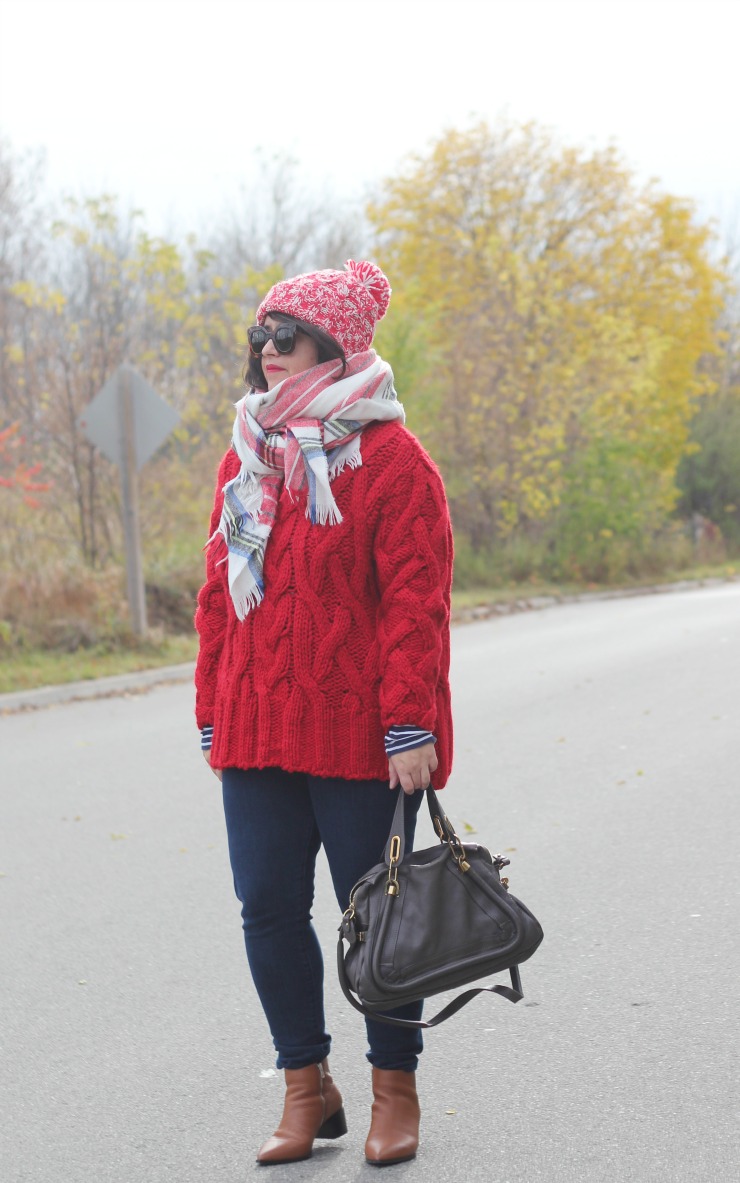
(597, 742)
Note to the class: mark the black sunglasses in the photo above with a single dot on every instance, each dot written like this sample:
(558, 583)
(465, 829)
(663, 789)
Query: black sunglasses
(284, 337)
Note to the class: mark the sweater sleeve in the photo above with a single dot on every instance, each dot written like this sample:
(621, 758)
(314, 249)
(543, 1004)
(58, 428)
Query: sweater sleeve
(211, 614)
(413, 563)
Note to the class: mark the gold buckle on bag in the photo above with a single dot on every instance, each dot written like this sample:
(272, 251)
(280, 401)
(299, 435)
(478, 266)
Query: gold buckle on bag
(459, 854)
(391, 887)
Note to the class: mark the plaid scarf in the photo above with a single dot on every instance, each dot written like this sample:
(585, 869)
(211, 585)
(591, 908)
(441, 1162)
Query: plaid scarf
(303, 432)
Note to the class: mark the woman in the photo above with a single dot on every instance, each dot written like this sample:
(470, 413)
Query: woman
(322, 676)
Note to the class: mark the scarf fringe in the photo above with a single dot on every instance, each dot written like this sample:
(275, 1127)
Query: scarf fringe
(251, 598)
(353, 458)
(324, 513)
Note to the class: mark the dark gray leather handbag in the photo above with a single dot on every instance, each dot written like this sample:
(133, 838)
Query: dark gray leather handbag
(432, 921)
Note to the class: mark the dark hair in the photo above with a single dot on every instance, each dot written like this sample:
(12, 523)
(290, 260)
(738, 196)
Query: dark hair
(329, 350)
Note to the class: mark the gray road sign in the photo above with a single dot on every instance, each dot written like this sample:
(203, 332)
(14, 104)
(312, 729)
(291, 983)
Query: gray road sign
(154, 419)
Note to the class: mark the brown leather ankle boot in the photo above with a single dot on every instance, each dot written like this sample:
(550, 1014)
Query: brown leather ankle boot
(394, 1128)
(312, 1109)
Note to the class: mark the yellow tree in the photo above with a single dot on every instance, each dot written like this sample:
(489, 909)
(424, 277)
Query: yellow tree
(569, 311)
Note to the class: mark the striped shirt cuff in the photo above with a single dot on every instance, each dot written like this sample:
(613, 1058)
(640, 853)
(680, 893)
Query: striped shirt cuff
(404, 739)
(206, 739)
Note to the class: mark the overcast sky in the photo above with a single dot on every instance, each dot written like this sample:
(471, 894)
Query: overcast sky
(164, 101)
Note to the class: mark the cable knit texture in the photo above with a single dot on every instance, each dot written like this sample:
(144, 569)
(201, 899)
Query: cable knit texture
(352, 636)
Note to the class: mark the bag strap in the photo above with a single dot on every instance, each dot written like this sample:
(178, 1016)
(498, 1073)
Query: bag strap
(514, 993)
(436, 813)
(398, 828)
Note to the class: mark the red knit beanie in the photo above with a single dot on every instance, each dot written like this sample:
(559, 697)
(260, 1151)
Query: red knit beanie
(345, 304)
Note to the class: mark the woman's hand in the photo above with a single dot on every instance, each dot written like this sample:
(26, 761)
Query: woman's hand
(207, 756)
(412, 770)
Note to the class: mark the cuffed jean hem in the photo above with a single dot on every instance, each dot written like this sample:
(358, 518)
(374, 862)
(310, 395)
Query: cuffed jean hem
(396, 1048)
(391, 1064)
(302, 1057)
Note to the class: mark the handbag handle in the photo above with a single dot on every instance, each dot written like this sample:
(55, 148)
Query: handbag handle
(514, 993)
(398, 825)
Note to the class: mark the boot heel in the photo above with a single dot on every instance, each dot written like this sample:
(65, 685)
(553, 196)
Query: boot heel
(334, 1126)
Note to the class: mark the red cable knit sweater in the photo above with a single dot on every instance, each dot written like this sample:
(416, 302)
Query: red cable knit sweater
(352, 636)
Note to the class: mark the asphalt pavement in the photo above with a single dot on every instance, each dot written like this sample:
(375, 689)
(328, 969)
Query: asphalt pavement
(596, 743)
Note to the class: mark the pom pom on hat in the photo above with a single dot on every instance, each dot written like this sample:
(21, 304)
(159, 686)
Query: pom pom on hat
(372, 278)
(345, 304)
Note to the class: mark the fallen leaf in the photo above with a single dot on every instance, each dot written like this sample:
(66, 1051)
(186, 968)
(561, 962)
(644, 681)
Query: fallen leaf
(118, 837)
(450, 1112)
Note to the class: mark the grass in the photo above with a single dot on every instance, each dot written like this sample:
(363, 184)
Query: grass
(473, 597)
(531, 588)
(37, 667)
(28, 669)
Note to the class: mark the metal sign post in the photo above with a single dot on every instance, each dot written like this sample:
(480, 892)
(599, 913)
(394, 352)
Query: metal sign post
(130, 490)
(128, 421)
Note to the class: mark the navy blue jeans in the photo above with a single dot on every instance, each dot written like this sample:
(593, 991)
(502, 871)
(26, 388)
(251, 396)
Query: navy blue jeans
(276, 821)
